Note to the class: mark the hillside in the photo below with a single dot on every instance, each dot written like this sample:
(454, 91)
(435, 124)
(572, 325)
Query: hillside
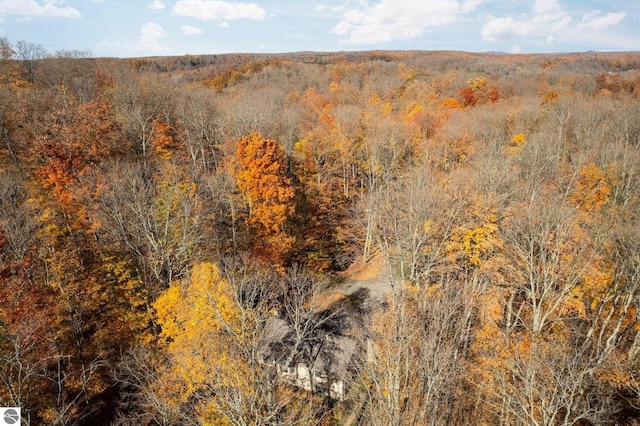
(450, 235)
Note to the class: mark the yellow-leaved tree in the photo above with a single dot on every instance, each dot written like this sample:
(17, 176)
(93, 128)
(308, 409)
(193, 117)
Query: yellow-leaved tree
(199, 321)
(212, 339)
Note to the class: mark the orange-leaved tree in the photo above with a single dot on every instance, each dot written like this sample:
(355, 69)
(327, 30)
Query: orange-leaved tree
(262, 178)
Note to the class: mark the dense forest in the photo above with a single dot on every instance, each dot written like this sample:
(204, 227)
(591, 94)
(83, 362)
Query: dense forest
(175, 233)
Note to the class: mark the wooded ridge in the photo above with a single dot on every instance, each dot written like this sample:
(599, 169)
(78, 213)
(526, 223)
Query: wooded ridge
(160, 216)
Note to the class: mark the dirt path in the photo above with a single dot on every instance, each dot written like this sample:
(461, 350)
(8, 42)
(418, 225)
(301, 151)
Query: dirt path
(370, 276)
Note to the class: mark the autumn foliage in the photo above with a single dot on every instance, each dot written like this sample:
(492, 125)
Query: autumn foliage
(162, 219)
(262, 179)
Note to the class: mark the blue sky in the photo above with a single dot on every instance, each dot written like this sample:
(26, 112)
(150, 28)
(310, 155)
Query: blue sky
(128, 28)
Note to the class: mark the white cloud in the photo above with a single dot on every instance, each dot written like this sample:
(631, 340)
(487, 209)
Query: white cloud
(207, 10)
(547, 10)
(35, 8)
(224, 25)
(394, 19)
(505, 29)
(546, 19)
(189, 30)
(148, 42)
(157, 5)
(595, 21)
(548, 24)
(470, 5)
(151, 32)
(324, 8)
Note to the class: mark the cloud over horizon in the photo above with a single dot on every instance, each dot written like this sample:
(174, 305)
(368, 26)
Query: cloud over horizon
(157, 5)
(595, 21)
(391, 20)
(546, 22)
(208, 10)
(190, 30)
(29, 8)
(147, 43)
(157, 27)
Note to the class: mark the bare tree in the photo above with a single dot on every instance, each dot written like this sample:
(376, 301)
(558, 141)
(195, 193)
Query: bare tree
(200, 115)
(547, 253)
(29, 54)
(71, 74)
(305, 313)
(413, 219)
(416, 352)
(6, 55)
(18, 224)
(543, 382)
(143, 396)
(159, 226)
(138, 104)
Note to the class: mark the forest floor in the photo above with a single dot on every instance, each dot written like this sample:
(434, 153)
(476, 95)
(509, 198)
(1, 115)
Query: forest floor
(371, 277)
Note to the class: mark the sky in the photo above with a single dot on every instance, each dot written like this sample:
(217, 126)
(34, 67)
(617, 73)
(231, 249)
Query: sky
(134, 28)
